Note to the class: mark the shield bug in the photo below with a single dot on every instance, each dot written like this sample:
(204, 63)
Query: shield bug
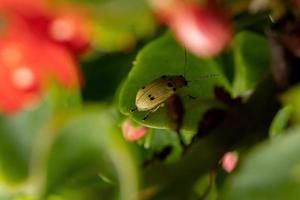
(153, 95)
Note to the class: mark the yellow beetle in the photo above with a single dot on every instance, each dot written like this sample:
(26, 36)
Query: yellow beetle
(153, 95)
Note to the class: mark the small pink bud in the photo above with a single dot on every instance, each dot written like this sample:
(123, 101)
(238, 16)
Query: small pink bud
(229, 161)
(132, 133)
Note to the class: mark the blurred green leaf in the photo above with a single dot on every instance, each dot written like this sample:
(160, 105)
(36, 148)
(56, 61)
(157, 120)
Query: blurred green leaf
(158, 139)
(62, 100)
(292, 98)
(255, 22)
(117, 24)
(104, 74)
(252, 61)
(205, 188)
(89, 159)
(17, 134)
(280, 121)
(165, 57)
(270, 171)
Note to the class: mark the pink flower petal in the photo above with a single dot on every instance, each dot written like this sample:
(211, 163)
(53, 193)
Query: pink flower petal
(203, 31)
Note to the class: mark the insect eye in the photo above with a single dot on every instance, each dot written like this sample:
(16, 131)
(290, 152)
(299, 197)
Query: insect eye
(170, 84)
(143, 87)
(185, 83)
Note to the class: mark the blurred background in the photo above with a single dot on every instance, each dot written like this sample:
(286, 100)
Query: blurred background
(69, 74)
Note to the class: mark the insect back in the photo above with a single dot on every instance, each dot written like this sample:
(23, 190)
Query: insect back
(154, 94)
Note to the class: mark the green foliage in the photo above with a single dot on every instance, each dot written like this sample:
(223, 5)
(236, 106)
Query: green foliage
(165, 57)
(291, 98)
(89, 159)
(77, 152)
(17, 135)
(67, 149)
(280, 121)
(270, 171)
(251, 57)
(104, 74)
(117, 24)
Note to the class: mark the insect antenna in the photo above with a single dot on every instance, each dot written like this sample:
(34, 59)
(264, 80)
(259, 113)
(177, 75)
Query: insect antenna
(201, 77)
(205, 77)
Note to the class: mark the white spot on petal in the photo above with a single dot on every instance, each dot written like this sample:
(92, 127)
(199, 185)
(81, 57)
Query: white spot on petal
(62, 29)
(23, 77)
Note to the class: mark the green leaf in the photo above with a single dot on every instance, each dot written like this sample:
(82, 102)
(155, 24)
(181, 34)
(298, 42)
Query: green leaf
(120, 22)
(236, 131)
(89, 159)
(165, 57)
(117, 24)
(270, 171)
(98, 72)
(17, 135)
(205, 188)
(280, 121)
(292, 98)
(158, 139)
(252, 61)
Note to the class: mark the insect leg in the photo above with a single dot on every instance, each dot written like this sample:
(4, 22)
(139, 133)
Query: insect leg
(146, 116)
(151, 111)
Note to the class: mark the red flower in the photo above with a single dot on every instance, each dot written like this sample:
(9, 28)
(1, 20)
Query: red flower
(23, 7)
(65, 26)
(27, 63)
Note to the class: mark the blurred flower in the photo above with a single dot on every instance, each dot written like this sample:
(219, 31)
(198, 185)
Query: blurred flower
(28, 62)
(132, 133)
(65, 25)
(71, 30)
(229, 161)
(23, 7)
(204, 30)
